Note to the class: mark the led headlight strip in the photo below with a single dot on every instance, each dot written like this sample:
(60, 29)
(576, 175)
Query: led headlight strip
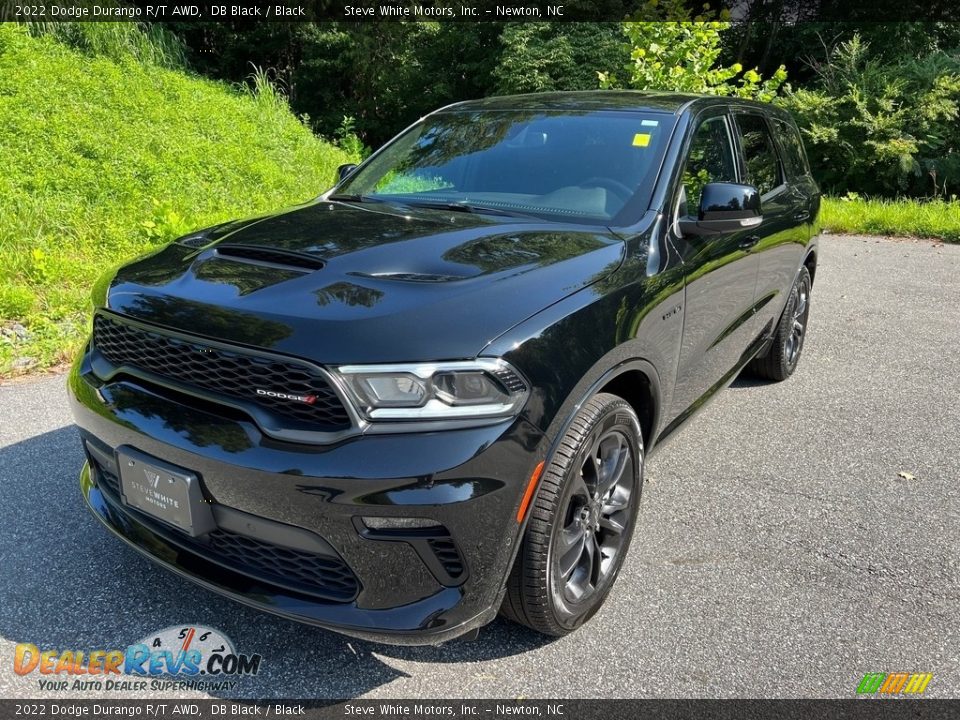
(481, 388)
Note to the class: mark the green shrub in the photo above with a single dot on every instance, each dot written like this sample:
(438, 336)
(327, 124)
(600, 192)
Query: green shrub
(347, 139)
(882, 127)
(105, 158)
(16, 301)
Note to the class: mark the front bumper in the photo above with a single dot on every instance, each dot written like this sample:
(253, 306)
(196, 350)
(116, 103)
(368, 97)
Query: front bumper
(321, 512)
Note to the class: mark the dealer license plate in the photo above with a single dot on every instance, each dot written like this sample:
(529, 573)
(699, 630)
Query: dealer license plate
(163, 491)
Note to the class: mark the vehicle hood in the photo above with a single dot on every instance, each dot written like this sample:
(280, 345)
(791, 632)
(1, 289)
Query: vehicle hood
(373, 283)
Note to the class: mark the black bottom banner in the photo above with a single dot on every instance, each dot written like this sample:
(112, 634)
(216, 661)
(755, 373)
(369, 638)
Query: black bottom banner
(854, 709)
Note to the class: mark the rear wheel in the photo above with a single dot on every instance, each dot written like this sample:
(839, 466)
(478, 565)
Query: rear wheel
(581, 521)
(781, 359)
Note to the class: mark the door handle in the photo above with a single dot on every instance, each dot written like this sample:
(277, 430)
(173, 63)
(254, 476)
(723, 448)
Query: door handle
(801, 216)
(749, 242)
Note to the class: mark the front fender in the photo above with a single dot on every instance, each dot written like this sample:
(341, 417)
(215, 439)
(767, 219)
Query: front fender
(577, 346)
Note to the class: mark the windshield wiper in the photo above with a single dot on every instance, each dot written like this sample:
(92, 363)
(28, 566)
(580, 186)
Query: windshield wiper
(352, 198)
(347, 197)
(458, 206)
(463, 206)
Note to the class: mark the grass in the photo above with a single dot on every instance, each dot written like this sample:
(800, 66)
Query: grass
(147, 43)
(106, 156)
(929, 219)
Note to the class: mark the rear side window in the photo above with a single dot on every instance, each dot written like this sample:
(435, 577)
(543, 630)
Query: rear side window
(761, 162)
(710, 159)
(794, 156)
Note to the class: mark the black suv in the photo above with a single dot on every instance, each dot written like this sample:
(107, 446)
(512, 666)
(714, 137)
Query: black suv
(427, 395)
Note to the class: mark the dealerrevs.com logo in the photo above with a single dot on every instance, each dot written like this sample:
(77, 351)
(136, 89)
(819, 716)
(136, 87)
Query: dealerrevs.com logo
(178, 657)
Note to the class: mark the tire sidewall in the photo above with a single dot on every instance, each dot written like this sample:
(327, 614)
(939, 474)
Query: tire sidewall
(618, 416)
(786, 324)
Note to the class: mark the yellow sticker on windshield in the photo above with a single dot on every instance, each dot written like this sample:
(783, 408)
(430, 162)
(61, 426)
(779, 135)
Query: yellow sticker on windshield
(641, 139)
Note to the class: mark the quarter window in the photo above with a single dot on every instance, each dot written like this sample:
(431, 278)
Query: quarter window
(794, 156)
(759, 153)
(710, 159)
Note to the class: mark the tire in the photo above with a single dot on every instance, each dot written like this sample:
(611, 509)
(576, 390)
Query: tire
(781, 359)
(541, 593)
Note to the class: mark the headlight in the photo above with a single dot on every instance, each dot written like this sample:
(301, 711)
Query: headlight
(482, 388)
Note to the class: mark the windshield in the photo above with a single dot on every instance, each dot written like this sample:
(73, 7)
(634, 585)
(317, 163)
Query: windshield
(575, 166)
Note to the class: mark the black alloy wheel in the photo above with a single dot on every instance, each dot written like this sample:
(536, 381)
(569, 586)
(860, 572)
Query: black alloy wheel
(782, 357)
(595, 517)
(581, 520)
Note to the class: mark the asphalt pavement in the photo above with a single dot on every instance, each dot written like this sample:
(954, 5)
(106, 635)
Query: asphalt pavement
(792, 538)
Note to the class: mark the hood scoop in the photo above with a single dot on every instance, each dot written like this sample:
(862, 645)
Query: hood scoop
(269, 256)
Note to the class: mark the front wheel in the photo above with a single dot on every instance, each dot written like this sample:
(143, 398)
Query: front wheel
(581, 521)
(781, 359)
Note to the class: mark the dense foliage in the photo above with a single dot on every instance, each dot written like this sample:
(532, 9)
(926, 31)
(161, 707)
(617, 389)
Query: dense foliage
(385, 75)
(883, 126)
(877, 102)
(104, 158)
(683, 55)
(540, 57)
(382, 76)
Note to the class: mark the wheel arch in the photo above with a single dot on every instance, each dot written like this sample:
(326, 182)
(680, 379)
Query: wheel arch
(810, 262)
(635, 380)
(634, 386)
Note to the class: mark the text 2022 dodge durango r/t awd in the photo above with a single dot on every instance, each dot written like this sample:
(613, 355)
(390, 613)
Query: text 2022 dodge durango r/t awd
(427, 395)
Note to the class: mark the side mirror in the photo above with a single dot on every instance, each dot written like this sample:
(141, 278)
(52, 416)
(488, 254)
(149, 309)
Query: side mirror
(724, 207)
(344, 171)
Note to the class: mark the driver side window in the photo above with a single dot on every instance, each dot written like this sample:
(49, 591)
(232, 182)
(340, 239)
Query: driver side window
(710, 159)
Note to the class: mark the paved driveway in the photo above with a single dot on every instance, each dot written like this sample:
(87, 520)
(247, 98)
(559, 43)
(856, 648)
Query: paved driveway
(780, 551)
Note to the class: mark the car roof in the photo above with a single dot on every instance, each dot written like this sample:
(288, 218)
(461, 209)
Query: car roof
(591, 100)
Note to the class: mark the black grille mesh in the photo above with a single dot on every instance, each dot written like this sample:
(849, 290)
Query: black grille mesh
(319, 575)
(446, 551)
(195, 364)
(285, 564)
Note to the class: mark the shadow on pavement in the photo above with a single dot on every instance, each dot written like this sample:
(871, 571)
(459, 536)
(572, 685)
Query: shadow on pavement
(746, 381)
(65, 583)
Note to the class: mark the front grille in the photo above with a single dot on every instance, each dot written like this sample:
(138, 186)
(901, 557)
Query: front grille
(320, 575)
(195, 364)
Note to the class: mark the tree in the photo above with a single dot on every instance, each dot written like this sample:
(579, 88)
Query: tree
(544, 56)
(682, 55)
